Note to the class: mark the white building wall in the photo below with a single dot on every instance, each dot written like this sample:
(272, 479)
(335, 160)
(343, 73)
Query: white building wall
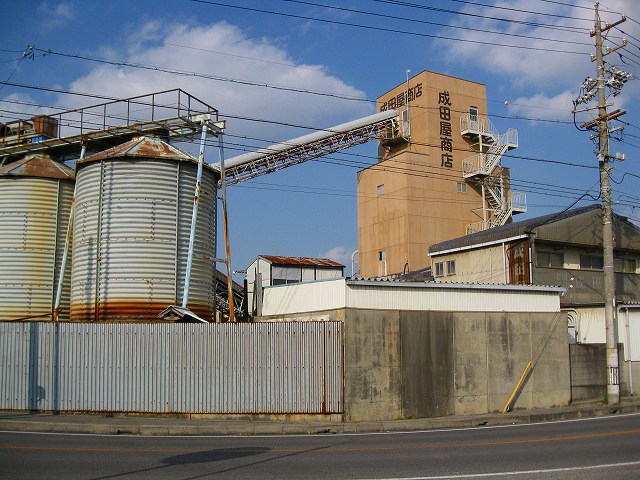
(453, 298)
(629, 332)
(304, 297)
(263, 267)
(340, 293)
(590, 326)
(486, 265)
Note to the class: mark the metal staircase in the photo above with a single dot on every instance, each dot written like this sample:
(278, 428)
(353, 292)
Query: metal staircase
(500, 203)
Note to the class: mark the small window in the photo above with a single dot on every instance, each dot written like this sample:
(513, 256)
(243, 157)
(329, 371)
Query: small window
(451, 267)
(445, 268)
(591, 262)
(473, 114)
(382, 263)
(380, 190)
(462, 187)
(624, 265)
(550, 259)
(406, 124)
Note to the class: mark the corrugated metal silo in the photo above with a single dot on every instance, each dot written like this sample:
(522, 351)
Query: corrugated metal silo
(36, 193)
(131, 233)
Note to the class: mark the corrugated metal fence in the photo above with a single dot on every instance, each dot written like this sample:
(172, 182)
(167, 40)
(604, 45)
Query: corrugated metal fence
(172, 368)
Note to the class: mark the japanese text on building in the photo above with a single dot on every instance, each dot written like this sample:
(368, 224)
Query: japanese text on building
(402, 98)
(446, 143)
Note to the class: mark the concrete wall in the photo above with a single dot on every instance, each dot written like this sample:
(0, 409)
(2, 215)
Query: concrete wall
(424, 364)
(589, 373)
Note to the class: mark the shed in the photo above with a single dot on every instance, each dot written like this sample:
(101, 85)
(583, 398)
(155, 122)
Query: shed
(268, 270)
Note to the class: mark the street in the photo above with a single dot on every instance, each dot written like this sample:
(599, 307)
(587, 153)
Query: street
(603, 447)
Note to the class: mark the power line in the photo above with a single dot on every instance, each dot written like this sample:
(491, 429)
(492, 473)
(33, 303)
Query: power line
(382, 28)
(362, 165)
(475, 15)
(122, 63)
(426, 22)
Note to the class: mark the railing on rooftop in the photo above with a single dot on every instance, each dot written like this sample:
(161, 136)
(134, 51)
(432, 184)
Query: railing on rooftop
(169, 113)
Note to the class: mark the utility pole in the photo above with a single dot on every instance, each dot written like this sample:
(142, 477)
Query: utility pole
(600, 125)
(613, 79)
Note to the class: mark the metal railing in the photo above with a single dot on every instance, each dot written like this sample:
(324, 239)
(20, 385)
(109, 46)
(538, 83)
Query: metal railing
(171, 109)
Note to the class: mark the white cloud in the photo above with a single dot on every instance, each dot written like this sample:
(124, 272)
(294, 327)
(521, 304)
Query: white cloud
(533, 60)
(224, 51)
(541, 73)
(541, 106)
(56, 15)
(341, 254)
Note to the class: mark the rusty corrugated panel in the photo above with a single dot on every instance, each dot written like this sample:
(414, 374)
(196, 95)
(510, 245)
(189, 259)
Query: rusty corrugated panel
(34, 214)
(267, 368)
(37, 166)
(131, 237)
(142, 147)
(301, 261)
(518, 260)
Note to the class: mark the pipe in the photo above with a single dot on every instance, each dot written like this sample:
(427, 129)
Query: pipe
(227, 251)
(628, 350)
(194, 216)
(67, 245)
(353, 263)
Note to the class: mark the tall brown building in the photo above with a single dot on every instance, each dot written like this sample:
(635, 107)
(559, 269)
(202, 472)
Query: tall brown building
(438, 177)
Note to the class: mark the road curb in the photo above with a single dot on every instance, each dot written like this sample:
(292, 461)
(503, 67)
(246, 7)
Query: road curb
(168, 426)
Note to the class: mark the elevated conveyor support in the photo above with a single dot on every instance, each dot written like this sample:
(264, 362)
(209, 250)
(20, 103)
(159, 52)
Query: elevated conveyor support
(314, 145)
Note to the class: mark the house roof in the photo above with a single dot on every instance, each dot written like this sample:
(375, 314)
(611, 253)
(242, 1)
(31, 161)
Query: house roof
(573, 230)
(301, 261)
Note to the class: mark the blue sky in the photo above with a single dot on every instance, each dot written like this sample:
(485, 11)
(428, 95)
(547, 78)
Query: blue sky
(339, 55)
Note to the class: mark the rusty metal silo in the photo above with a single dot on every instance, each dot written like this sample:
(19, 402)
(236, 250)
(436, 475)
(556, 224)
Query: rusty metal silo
(36, 193)
(131, 233)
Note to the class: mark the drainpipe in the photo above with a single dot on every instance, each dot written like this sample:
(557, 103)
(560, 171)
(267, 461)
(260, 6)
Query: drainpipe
(194, 216)
(67, 245)
(353, 263)
(223, 181)
(628, 349)
(504, 262)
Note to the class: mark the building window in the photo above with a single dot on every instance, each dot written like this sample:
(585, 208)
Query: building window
(462, 187)
(406, 124)
(281, 275)
(591, 262)
(624, 265)
(549, 259)
(445, 268)
(473, 114)
(382, 263)
(380, 190)
(451, 267)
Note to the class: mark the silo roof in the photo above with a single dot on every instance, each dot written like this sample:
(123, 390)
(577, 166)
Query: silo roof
(39, 165)
(142, 147)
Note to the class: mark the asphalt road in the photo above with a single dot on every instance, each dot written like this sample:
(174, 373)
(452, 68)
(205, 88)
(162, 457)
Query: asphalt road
(604, 447)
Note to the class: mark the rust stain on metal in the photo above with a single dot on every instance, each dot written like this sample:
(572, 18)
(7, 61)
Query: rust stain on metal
(37, 166)
(130, 311)
(145, 147)
(305, 261)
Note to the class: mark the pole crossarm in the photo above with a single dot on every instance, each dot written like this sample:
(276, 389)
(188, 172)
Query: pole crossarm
(308, 147)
